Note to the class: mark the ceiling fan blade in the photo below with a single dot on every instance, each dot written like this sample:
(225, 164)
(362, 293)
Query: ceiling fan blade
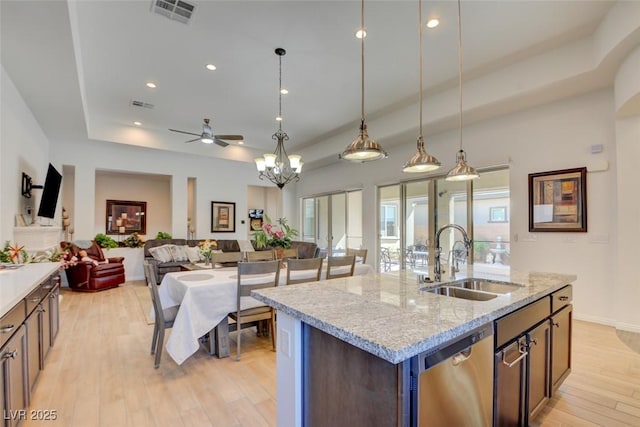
(220, 142)
(193, 140)
(230, 137)
(187, 133)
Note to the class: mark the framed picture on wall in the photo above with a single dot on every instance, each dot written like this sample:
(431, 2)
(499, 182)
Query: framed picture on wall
(126, 217)
(558, 200)
(223, 217)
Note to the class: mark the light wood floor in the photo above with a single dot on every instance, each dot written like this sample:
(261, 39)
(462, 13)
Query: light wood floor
(100, 373)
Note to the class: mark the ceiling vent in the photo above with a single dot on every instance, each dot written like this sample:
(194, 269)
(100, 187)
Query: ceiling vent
(141, 104)
(177, 10)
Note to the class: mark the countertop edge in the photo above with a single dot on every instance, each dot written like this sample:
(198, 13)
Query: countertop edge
(31, 282)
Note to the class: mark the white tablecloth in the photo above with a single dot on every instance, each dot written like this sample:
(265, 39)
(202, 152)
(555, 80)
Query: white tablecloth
(206, 297)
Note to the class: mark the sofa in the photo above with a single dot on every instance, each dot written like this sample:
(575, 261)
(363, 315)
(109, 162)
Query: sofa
(94, 272)
(162, 266)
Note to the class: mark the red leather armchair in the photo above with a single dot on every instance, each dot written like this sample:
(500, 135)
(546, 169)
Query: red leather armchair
(86, 276)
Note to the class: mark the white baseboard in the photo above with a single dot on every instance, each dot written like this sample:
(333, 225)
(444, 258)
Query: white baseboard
(630, 327)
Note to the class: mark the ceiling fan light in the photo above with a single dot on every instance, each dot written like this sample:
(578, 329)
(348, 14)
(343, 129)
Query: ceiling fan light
(421, 161)
(260, 164)
(269, 160)
(462, 171)
(207, 140)
(363, 148)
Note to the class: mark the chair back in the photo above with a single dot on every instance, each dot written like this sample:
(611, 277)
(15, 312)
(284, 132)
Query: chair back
(340, 266)
(291, 253)
(360, 254)
(152, 284)
(306, 270)
(261, 256)
(225, 257)
(256, 275)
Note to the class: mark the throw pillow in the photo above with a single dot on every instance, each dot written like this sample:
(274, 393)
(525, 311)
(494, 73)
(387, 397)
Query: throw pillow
(193, 252)
(162, 253)
(179, 253)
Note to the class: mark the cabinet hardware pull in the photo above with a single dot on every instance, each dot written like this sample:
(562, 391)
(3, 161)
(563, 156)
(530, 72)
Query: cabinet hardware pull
(10, 354)
(564, 298)
(534, 341)
(7, 328)
(556, 324)
(35, 299)
(523, 354)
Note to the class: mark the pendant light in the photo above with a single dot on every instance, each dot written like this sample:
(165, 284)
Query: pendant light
(421, 161)
(278, 167)
(363, 149)
(461, 171)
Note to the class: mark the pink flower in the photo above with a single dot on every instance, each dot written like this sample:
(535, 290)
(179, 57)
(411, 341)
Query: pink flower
(279, 234)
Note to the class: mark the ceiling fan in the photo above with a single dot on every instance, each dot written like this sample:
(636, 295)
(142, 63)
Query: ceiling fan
(208, 137)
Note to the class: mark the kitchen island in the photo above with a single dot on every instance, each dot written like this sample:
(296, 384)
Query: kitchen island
(386, 320)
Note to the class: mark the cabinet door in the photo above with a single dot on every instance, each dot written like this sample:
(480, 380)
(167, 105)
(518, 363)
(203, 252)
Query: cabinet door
(538, 374)
(14, 367)
(45, 340)
(560, 346)
(33, 325)
(54, 314)
(510, 369)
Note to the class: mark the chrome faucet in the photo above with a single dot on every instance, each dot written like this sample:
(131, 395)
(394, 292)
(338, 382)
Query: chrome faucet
(437, 268)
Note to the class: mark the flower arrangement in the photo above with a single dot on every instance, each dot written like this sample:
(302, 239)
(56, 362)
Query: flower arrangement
(274, 235)
(207, 247)
(14, 254)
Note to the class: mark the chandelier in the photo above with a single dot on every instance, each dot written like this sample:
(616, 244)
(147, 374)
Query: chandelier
(278, 167)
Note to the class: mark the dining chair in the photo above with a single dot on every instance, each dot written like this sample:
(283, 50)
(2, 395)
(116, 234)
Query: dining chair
(254, 275)
(163, 317)
(336, 266)
(261, 256)
(226, 257)
(311, 266)
(360, 254)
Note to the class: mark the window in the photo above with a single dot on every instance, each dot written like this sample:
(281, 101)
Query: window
(498, 214)
(388, 220)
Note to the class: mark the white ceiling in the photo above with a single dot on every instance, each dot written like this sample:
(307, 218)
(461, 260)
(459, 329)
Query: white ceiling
(80, 64)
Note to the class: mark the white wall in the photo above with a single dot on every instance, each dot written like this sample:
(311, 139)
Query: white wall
(556, 136)
(23, 148)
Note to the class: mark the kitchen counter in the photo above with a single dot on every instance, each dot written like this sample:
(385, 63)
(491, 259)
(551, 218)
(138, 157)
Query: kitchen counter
(15, 284)
(389, 316)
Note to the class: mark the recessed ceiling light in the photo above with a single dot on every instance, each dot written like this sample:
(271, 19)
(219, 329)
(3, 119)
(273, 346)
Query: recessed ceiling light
(210, 67)
(284, 91)
(152, 85)
(137, 123)
(433, 22)
(361, 34)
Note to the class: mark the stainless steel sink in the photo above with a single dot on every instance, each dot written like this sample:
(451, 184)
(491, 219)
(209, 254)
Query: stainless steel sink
(460, 292)
(485, 285)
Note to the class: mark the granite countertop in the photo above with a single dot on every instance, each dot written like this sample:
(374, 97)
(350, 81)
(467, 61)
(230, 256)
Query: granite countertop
(15, 284)
(387, 314)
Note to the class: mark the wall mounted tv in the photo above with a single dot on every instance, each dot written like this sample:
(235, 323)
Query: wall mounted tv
(50, 193)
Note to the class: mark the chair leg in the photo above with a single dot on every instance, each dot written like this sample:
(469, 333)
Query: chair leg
(272, 325)
(238, 336)
(155, 338)
(159, 347)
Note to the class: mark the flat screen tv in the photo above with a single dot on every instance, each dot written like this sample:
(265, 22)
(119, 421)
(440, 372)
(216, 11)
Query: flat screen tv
(50, 193)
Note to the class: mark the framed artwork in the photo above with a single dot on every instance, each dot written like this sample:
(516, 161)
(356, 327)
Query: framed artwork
(126, 217)
(223, 217)
(558, 200)
(255, 219)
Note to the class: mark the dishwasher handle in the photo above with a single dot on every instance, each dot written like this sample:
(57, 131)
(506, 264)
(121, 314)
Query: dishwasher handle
(523, 354)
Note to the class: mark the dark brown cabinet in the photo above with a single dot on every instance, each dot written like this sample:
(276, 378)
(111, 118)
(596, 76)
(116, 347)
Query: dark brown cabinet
(13, 371)
(533, 357)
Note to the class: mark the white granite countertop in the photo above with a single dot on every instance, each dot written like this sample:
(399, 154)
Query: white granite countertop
(389, 316)
(15, 284)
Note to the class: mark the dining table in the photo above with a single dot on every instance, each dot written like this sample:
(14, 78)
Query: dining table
(205, 297)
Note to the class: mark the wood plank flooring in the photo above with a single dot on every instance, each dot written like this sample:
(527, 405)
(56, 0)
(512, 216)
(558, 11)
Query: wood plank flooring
(100, 373)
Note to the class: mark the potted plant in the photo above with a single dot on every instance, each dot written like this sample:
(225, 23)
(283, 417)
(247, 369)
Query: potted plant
(276, 235)
(105, 241)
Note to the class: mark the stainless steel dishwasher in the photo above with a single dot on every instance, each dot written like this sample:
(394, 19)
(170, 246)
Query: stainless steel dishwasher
(453, 384)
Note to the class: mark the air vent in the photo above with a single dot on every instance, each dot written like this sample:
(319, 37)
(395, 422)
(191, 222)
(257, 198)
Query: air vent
(141, 104)
(177, 10)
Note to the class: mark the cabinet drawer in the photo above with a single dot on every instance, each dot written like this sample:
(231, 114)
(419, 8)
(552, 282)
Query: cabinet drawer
(561, 298)
(514, 324)
(33, 299)
(10, 322)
